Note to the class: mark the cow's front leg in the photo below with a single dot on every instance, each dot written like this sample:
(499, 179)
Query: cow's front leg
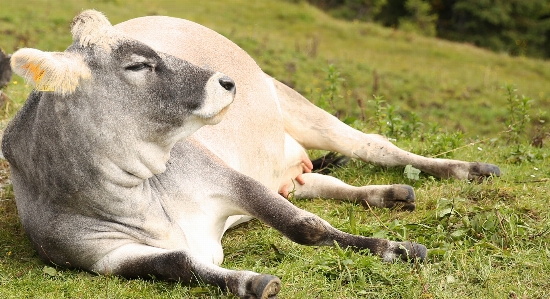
(314, 185)
(141, 261)
(308, 229)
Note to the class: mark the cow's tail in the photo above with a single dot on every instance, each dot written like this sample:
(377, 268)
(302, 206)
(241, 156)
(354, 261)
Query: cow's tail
(327, 163)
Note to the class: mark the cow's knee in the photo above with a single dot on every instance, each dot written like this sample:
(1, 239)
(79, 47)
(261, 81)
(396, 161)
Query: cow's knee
(309, 230)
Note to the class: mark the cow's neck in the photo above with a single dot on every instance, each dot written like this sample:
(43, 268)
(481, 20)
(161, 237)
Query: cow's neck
(82, 150)
(131, 162)
(111, 150)
(136, 159)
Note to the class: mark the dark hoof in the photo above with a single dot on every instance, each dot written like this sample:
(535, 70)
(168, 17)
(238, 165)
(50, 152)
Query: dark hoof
(413, 252)
(400, 197)
(263, 287)
(482, 170)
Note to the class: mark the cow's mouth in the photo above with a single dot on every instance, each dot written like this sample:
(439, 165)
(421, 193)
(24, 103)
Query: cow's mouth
(216, 118)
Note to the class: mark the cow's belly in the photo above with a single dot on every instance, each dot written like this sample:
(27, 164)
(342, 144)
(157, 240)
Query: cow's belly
(263, 161)
(257, 152)
(251, 137)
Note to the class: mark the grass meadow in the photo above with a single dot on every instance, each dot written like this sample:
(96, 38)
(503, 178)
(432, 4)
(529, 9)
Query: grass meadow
(486, 239)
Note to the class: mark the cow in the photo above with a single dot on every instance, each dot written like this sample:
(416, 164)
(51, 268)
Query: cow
(142, 143)
(5, 69)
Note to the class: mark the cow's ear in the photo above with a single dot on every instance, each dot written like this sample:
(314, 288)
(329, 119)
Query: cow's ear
(50, 71)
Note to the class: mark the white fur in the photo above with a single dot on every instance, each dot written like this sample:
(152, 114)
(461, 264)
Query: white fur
(216, 101)
(92, 28)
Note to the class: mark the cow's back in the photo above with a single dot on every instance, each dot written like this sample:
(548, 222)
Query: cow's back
(251, 137)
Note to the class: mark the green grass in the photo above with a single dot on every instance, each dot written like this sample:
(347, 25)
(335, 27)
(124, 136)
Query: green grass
(486, 240)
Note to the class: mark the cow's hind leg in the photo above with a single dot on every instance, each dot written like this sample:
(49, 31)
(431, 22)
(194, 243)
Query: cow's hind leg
(141, 261)
(314, 128)
(383, 196)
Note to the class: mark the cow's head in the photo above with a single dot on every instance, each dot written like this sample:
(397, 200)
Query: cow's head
(132, 102)
(133, 82)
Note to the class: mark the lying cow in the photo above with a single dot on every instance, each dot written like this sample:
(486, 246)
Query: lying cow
(107, 177)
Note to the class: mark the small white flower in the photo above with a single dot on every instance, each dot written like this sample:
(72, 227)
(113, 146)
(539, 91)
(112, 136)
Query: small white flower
(535, 168)
(479, 148)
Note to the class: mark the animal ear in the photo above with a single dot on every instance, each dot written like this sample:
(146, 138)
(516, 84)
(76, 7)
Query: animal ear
(50, 71)
(91, 27)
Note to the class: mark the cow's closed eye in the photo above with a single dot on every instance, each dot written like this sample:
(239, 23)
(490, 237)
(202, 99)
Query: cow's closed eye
(139, 66)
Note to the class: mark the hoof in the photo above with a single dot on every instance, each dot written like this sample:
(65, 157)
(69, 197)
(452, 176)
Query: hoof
(413, 252)
(400, 197)
(263, 287)
(482, 170)
(405, 251)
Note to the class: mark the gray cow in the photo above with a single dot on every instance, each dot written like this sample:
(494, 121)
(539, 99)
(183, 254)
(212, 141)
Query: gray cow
(108, 178)
(5, 70)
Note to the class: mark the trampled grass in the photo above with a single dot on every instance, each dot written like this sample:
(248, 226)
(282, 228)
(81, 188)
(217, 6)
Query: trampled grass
(486, 240)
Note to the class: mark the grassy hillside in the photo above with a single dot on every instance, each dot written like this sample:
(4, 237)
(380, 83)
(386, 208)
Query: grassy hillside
(455, 85)
(486, 240)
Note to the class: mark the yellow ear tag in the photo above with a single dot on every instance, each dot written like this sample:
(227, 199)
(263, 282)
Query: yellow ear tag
(45, 88)
(37, 76)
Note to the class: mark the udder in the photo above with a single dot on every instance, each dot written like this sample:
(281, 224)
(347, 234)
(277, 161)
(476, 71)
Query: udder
(296, 162)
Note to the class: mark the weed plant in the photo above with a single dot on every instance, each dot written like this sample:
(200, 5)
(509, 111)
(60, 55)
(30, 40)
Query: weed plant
(486, 239)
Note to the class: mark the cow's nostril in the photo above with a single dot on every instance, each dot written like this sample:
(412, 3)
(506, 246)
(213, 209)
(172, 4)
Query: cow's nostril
(227, 83)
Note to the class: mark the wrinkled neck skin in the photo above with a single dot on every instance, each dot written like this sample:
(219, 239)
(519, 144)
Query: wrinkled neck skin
(134, 159)
(119, 151)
